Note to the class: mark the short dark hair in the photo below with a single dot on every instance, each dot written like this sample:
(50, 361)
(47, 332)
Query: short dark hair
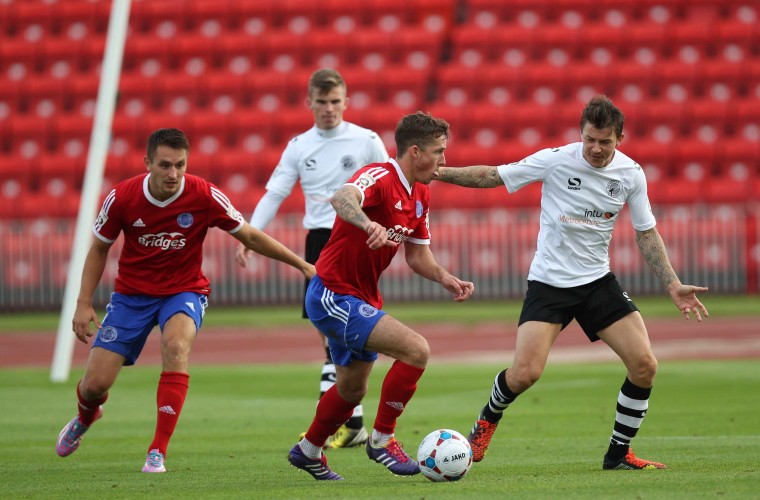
(601, 113)
(324, 80)
(420, 129)
(172, 137)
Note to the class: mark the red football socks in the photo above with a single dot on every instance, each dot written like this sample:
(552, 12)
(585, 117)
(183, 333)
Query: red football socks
(332, 412)
(398, 388)
(170, 397)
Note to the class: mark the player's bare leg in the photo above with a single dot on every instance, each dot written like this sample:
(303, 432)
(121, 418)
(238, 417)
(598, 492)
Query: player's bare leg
(534, 340)
(92, 391)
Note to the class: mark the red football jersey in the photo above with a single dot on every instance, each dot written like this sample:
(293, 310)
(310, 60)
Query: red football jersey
(163, 240)
(347, 265)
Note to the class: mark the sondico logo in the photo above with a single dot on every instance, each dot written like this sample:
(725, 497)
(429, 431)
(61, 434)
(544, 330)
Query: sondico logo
(164, 241)
(398, 233)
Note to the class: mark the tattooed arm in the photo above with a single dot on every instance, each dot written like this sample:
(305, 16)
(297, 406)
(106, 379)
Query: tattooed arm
(478, 176)
(346, 201)
(684, 296)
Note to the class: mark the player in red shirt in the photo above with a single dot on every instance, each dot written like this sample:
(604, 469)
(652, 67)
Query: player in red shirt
(164, 216)
(388, 202)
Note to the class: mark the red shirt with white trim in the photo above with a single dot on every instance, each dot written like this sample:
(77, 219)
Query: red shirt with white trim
(347, 265)
(163, 240)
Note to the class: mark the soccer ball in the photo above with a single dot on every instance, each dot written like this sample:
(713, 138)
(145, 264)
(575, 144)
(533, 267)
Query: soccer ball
(444, 455)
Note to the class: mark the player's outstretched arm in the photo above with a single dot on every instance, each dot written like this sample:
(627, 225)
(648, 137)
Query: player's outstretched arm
(263, 214)
(94, 264)
(265, 245)
(422, 261)
(683, 296)
(477, 176)
(346, 202)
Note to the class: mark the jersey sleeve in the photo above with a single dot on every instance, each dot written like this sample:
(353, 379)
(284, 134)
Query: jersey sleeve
(530, 169)
(107, 225)
(286, 173)
(642, 217)
(371, 182)
(266, 209)
(221, 212)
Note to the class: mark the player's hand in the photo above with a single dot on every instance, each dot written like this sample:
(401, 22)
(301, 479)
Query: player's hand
(378, 236)
(462, 290)
(242, 254)
(309, 272)
(83, 316)
(685, 299)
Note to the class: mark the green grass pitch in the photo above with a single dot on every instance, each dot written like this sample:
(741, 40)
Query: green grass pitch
(240, 421)
(468, 313)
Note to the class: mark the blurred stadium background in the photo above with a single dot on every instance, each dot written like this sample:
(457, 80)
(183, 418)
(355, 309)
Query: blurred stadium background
(510, 76)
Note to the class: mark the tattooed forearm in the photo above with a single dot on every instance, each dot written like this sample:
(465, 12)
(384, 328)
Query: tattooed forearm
(653, 249)
(480, 176)
(347, 207)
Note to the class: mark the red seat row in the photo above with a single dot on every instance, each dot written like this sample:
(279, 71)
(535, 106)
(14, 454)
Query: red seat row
(665, 40)
(147, 15)
(521, 82)
(644, 10)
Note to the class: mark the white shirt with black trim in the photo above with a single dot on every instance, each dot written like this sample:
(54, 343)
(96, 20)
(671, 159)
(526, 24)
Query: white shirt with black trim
(579, 207)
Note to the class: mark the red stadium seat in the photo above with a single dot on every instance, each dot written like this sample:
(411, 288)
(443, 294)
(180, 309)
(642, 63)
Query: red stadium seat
(676, 190)
(93, 15)
(195, 46)
(224, 83)
(146, 15)
(248, 122)
(725, 189)
(42, 87)
(695, 33)
(141, 48)
(66, 127)
(15, 50)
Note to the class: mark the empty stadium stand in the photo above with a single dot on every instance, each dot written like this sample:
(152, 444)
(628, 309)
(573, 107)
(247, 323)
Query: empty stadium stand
(511, 77)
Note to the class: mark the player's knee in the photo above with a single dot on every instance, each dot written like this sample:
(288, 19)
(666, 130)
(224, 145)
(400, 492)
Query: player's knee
(352, 393)
(175, 352)
(92, 388)
(643, 372)
(419, 355)
(521, 379)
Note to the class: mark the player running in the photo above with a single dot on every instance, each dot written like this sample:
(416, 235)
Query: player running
(164, 215)
(383, 206)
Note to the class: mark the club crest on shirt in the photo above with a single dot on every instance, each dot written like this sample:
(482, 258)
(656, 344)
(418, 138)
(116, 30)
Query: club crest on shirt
(348, 163)
(185, 220)
(614, 188)
(367, 310)
(418, 209)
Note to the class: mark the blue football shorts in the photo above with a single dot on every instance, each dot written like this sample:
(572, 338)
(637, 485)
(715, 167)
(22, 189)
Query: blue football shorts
(130, 319)
(345, 320)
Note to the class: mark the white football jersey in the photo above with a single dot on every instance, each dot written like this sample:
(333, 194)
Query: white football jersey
(323, 160)
(579, 207)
